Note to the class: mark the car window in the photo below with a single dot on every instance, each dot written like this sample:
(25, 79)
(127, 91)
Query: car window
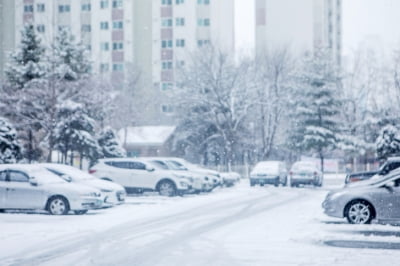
(394, 165)
(3, 175)
(137, 166)
(124, 165)
(160, 164)
(16, 176)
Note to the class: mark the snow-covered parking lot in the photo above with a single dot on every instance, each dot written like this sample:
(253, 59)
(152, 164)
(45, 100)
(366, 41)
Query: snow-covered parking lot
(242, 225)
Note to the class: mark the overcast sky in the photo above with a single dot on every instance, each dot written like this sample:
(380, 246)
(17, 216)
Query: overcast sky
(374, 20)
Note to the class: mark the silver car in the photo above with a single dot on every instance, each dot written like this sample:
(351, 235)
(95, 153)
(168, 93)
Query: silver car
(32, 187)
(373, 199)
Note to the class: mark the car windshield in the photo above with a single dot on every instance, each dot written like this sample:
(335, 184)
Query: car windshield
(72, 172)
(42, 176)
(267, 167)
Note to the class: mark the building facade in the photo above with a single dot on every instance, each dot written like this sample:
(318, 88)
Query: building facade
(300, 26)
(149, 37)
(7, 33)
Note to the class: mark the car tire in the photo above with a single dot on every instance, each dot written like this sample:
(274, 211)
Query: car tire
(252, 184)
(359, 212)
(277, 182)
(166, 188)
(80, 212)
(58, 205)
(285, 182)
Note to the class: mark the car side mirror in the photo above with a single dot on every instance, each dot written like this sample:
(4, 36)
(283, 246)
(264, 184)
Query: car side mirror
(33, 182)
(150, 169)
(66, 178)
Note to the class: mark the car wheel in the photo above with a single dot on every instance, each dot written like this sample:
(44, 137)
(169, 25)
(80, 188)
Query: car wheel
(285, 182)
(359, 212)
(58, 206)
(80, 212)
(167, 188)
(252, 184)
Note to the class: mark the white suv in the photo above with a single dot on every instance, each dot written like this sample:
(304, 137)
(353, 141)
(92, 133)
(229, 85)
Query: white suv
(138, 175)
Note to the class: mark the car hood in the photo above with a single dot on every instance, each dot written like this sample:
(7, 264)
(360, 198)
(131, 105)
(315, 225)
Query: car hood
(70, 188)
(101, 184)
(366, 173)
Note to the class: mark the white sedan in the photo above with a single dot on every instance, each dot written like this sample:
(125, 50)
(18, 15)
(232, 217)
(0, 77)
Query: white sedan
(113, 193)
(24, 186)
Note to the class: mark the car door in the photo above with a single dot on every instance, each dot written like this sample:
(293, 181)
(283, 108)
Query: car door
(142, 177)
(120, 173)
(389, 200)
(21, 194)
(3, 187)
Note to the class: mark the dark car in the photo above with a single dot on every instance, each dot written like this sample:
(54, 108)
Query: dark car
(391, 164)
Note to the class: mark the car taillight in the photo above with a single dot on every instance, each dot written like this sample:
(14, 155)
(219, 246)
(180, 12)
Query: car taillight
(290, 173)
(92, 171)
(354, 179)
(315, 173)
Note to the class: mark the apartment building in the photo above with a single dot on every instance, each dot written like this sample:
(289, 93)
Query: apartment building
(7, 33)
(149, 37)
(301, 26)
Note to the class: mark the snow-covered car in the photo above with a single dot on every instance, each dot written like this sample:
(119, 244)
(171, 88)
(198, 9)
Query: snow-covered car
(213, 176)
(377, 199)
(305, 173)
(138, 175)
(200, 182)
(390, 164)
(269, 172)
(230, 178)
(112, 193)
(34, 187)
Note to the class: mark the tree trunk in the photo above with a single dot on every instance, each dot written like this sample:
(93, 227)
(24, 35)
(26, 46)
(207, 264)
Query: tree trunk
(321, 156)
(30, 145)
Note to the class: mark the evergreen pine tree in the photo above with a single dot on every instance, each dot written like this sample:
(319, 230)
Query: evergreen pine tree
(109, 144)
(388, 142)
(316, 107)
(27, 62)
(10, 150)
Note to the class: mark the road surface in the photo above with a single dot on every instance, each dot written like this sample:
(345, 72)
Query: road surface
(232, 226)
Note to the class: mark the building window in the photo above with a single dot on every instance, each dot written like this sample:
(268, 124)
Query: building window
(201, 43)
(118, 46)
(180, 63)
(86, 28)
(104, 67)
(28, 8)
(40, 28)
(166, 22)
(118, 67)
(64, 8)
(166, 44)
(166, 65)
(104, 25)
(179, 2)
(64, 27)
(40, 8)
(180, 43)
(203, 2)
(166, 2)
(167, 109)
(117, 3)
(166, 86)
(86, 7)
(118, 25)
(103, 4)
(203, 22)
(180, 21)
(104, 46)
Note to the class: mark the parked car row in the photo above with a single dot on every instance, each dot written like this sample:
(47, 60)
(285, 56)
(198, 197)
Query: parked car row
(55, 188)
(275, 173)
(167, 175)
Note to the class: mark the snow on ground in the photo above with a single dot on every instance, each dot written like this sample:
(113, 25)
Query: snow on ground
(231, 226)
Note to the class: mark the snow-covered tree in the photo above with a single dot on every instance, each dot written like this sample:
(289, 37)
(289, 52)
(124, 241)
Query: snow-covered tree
(388, 142)
(74, 132)
(215, 95)
(316, 106)
(274, 70)
(110, 144)
(10, 149)
(28, 61)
